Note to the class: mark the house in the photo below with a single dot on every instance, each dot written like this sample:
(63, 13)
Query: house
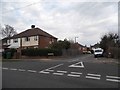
(1, 46)
(31, 38)
(4, 44)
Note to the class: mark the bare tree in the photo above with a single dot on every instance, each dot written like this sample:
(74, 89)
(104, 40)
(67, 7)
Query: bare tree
(8, 31)
(0, 31)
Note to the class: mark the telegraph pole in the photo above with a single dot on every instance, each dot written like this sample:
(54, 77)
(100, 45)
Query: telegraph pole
(75, 39)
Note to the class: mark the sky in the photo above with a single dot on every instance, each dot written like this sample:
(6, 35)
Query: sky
(85, 20)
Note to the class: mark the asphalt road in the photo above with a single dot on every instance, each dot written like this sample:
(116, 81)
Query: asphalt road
(79, 72)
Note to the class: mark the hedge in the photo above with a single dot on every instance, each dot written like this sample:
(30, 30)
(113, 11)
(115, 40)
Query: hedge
(40, 52)
(115, 52)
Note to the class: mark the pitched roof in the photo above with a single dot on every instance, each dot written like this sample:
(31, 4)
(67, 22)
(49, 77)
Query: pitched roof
(78, 44)
(5, 39)
(32, 32)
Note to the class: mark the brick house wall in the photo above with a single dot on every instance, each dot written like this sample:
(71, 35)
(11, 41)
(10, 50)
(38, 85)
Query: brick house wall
(44, 42)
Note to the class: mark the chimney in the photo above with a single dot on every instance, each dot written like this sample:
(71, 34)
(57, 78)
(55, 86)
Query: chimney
(32, 26)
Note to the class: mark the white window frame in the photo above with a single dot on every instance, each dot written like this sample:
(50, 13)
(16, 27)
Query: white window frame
(27, 39)
(15, 40)
(35, 38)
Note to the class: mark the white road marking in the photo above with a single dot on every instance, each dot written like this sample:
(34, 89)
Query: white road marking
(113, 77)
(48, 70)
(21, 70)
(58, 73)
(5, 68)
(55, 66)
(32, 71)
(14, 69)
(113, 80)
(62, 71)
(93, 77)
(44, 72)
(71, 75)
(76, 65)
(75, 73)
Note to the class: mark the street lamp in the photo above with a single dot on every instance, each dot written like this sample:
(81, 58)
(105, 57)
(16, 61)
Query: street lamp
(75, 39)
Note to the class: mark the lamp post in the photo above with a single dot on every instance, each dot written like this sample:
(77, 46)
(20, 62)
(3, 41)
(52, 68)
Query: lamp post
(75, 39)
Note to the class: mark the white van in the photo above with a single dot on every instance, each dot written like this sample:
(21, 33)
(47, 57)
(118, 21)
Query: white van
(98, 52)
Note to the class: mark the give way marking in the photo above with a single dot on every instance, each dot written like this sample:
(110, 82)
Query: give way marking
(79, 65)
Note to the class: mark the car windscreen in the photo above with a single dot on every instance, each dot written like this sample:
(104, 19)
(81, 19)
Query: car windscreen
(98, 50)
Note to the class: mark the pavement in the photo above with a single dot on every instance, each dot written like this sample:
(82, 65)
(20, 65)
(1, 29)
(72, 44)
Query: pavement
(71, 59)
(78, 72)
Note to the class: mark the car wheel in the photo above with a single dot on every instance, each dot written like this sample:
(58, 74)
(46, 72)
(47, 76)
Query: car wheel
(95, 56)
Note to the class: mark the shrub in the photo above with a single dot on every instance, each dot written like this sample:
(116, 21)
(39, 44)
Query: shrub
(40, 52)
(114, 52)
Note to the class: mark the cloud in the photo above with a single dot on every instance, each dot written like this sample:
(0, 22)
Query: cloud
(63, 19)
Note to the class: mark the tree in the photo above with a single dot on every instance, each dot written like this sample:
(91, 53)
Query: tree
(109, 40)
(61, 44)
(8, 31)
(0, 31)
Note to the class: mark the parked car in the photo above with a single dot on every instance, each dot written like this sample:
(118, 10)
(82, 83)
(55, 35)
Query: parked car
(98, 52)
(88, 52)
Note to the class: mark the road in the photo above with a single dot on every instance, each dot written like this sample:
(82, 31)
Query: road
(79, 72)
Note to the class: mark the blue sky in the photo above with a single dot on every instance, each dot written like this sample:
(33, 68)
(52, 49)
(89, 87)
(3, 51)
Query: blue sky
(86, 19)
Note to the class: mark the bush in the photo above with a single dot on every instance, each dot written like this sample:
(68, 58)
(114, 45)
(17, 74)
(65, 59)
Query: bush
(114, 52)
(40, 52)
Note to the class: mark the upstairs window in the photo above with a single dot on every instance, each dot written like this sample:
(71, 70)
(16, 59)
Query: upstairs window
(9, 41)
(27, 38)
(52, 40)
(15, 40)
(35, 38)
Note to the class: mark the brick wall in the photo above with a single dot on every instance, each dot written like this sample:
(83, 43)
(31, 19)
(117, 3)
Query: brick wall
(45, 41)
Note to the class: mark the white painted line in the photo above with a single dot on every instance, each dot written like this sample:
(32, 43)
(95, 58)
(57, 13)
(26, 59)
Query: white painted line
(93, 77)
(113, 77)
(55, 66)
(58, 73)
(75, 73)
(48, 70)
(22, 70)
(14, 69)
(32, 71)
(113, 80)
(71, 75)
(79, 66)
(44, 72)
(62, 71)
(5, 68)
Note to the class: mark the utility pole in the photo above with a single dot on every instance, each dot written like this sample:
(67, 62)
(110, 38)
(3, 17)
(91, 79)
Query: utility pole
(75, 39)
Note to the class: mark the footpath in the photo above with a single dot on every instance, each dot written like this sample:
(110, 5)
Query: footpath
(83, 57)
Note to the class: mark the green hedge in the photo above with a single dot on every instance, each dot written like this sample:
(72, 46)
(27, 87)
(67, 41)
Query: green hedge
(40, 52)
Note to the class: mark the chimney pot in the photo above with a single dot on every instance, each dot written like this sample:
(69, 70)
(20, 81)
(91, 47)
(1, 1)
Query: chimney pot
(32, 26)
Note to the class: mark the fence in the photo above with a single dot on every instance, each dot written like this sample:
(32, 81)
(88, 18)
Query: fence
(71, 52)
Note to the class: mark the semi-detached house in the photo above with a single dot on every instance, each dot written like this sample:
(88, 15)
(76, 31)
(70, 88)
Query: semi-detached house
(31, 38)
